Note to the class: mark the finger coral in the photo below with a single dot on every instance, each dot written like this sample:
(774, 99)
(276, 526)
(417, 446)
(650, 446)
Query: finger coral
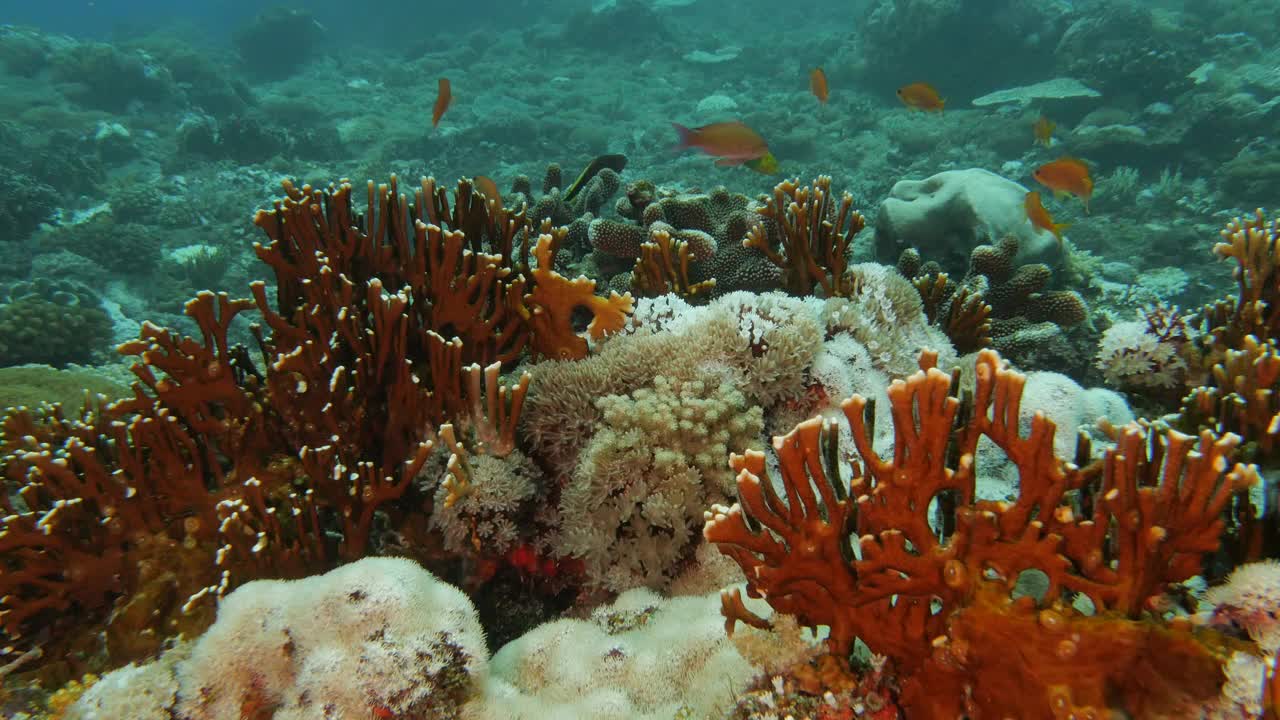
(931, 576)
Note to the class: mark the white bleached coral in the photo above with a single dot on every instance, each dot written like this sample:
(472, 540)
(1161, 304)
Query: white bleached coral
(378, 633)
(642, 658)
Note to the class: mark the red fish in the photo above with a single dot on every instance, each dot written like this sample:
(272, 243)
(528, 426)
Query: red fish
(733, 142)
(444, 96)
(921, 96)
(818, 85)
(1066, 175)
(1040, 217)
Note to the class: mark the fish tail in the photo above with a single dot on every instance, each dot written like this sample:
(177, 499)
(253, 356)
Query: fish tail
(684, 136)
(1057, 231)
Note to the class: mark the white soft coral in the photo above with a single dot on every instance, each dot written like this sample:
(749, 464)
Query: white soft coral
(1131, 355)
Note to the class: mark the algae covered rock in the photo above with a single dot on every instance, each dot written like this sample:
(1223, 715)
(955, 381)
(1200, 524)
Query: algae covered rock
(31, 385)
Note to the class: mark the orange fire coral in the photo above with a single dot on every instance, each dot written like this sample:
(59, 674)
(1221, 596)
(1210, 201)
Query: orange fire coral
(945, 599)
(815, 236)
(229, 472)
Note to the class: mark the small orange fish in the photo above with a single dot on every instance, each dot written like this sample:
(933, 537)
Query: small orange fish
(921, 96)
(489, 189)
(1043, 130)
(444, 96)
(1066, 175)
(818, 84)
(1040, 217)
(733, 142)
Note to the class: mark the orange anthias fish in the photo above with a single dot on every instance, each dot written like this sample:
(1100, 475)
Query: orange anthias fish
(1066, 175)
(444, 96)
(921, 96)
(733, 142)
(488, 188)
(818, 84)
(1043, 130)
(1040, 217)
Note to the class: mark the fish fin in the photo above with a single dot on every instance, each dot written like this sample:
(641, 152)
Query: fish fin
(729, 162)
(1060, 194)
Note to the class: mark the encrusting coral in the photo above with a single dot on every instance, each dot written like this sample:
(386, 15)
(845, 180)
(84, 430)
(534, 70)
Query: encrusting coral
(945, 599)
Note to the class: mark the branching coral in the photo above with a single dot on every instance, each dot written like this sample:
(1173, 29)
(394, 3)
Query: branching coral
(939, 599)
(1254, 244)
(663, 268)
(997, 303)
(375, 338)
(1237, 343)
(815, 234)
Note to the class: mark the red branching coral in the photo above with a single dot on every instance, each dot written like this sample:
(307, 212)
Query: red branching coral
(376, 338)
(815, 235)
(940, 601)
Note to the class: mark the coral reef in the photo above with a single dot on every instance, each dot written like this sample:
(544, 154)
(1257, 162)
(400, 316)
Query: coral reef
(38, 330)
(279, 472)
(813, 233)
(713, 225)
(1000, 302)
(1149, 354)
(942, 601)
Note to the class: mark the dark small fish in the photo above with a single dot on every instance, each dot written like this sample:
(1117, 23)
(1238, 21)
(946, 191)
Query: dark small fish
(614, 162)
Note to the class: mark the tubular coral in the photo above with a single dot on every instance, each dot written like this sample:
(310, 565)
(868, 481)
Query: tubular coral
(940, 601)
(663, 268)
(815, 236)
(1253, 243)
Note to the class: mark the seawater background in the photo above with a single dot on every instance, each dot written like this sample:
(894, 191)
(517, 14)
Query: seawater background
(170, 138)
